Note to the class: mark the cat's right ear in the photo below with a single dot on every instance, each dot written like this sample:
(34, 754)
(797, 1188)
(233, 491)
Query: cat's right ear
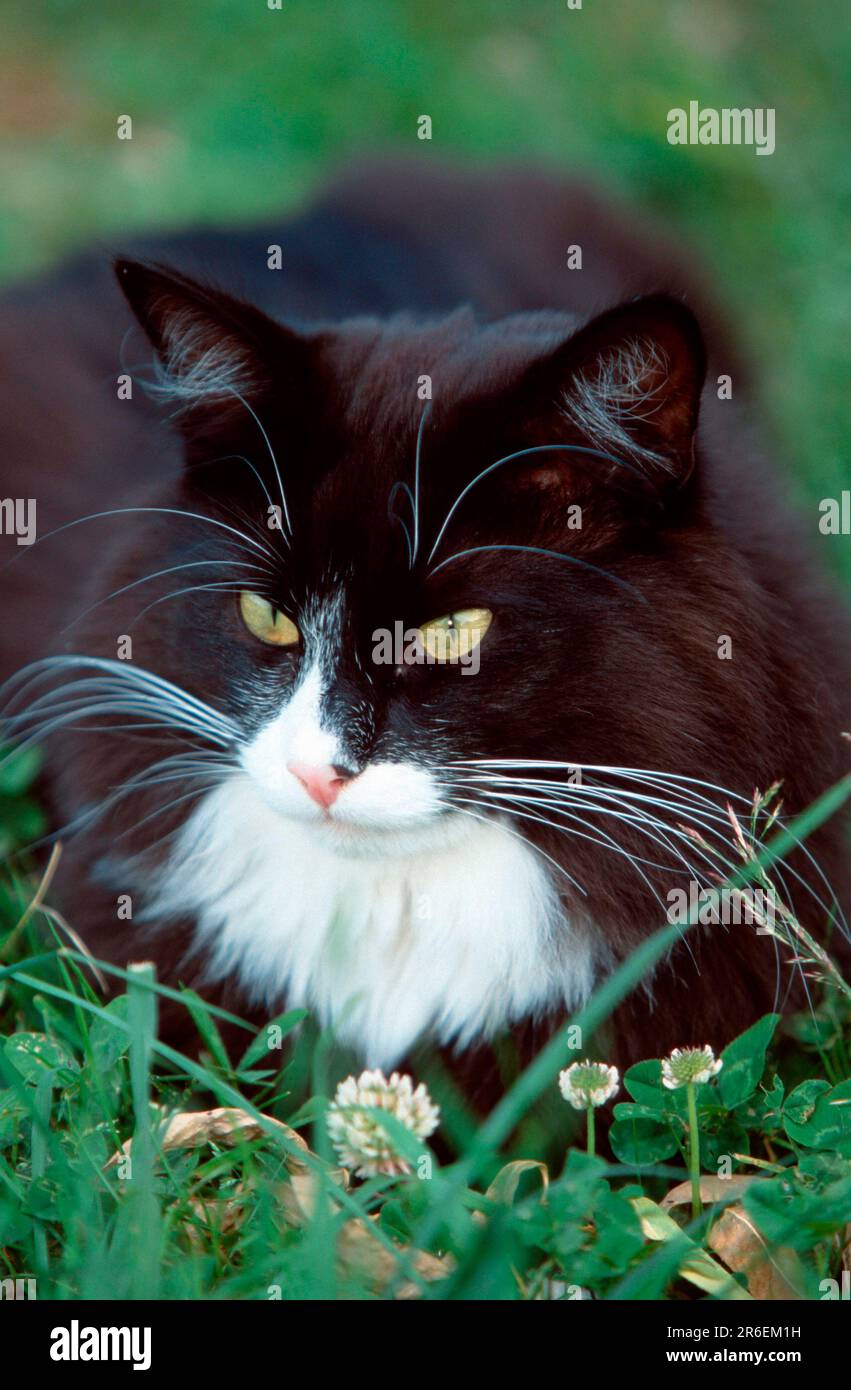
(212, 352)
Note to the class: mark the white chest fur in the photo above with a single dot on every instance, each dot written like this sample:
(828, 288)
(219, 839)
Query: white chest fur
(454, 942)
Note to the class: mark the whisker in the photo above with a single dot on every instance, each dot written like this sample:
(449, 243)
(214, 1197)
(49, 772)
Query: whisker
(152, 690)
(550, 554)
(148, 578)
(524, 453)
(169, 806)
(639, 822)
(127, 511)
(394, 516)
(603, 839)
(223, 586)
(163, 386)
(255, 417)
(236, 458)
(507, 829)
(92, 814)
(686, 805)
(147, 693)
(416, 498)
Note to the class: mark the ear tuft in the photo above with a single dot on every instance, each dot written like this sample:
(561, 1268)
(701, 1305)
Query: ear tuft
(634, 388)
(204, 355)
(619, 394)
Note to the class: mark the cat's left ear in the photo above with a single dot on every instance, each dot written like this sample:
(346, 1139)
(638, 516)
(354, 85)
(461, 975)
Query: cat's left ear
(211, 349)
(629, 384)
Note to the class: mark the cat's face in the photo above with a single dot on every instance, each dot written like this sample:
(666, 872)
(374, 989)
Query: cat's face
(372, 597)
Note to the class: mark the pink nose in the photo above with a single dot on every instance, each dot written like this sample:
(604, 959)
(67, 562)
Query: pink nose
(322, 784)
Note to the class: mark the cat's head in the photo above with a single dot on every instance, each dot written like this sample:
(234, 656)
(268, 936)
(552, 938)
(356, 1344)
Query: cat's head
(417, 549)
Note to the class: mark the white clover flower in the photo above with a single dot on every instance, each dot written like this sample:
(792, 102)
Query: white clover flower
(685, 1064)
(361, 1141)
(588, 1083)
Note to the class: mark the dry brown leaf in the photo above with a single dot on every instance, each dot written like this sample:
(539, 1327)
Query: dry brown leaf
(772, 1273)
(359, 1252)
(190, 1128)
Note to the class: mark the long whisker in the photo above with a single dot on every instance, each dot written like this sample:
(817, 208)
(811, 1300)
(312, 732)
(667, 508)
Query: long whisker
(524, 453)
(456, 803)
(117, 675)
(801, 845)
(163, 386)
(551, 554)
(394, 516)
(236, 458)
(43, 718)
(158, 574)
(693, 805)
(254, 527)
(703, 818)
(416, 499)
(169, 806)
(127, 511)
(92, 814)
(255, 417)
(220, 586)
(127, 689)
(602, 838)
(640, 822)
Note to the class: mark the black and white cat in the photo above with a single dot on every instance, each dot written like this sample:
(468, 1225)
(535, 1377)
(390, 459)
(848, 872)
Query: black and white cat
(498, 455)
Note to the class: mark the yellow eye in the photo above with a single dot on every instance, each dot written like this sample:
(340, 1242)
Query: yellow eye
(454, 636)
(267, 622)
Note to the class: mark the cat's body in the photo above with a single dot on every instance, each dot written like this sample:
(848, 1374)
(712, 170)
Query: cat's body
(406, 903)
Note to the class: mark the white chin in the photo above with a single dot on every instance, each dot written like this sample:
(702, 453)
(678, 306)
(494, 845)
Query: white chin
(361, 840)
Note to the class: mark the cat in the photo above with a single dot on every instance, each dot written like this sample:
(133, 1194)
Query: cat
(423, 422)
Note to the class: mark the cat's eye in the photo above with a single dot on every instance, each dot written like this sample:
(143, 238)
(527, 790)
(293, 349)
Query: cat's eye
(455, 635)
(266, 622)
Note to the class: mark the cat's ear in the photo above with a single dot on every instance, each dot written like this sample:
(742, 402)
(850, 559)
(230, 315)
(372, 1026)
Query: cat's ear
(629, 384)
(604, 425)
(211, 349)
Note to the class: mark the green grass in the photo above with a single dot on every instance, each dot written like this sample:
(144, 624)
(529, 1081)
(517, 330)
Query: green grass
(238, 112)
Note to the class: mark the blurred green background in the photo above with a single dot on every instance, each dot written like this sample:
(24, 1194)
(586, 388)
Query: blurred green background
(239, 109)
